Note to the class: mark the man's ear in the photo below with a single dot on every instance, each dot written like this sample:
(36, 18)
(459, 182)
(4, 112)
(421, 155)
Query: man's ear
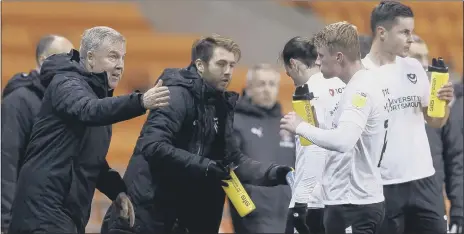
(293, 63)
(90, 58)
(41, 60)
(381, 32)
(200, 66)
(339, 57)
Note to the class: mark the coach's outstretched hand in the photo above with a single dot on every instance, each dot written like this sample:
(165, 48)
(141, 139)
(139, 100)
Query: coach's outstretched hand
(156, 97)
(125, 208)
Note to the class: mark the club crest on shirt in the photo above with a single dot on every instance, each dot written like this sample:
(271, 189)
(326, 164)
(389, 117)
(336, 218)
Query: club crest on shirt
(359, 100)
(286, 139)
(412, 77)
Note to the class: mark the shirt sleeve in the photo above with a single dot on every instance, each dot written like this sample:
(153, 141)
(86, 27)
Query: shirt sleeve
(351, 124)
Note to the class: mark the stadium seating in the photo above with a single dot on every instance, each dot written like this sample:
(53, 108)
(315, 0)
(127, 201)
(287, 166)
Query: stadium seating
(441, 29)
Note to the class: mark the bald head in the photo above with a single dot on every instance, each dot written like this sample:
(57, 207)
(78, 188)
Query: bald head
(49, 45)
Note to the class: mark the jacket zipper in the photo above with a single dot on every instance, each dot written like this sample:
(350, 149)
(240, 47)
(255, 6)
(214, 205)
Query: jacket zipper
(201, 119)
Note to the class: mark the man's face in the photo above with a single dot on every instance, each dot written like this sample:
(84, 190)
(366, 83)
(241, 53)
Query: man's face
(218, 71)
(109, 58)
(420, 52)
(399, 38)
(299, 72)
(264, 88)
(328, 63)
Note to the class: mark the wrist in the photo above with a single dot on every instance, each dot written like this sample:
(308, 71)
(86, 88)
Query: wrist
(301, 128)
(140, 96)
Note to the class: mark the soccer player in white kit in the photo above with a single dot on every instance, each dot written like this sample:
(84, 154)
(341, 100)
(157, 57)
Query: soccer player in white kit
(352, 185)
(306, 206)
(413, 195)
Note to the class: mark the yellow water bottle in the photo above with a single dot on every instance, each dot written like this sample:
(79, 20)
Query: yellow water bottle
(238, 195)
(302, 106)
(440, 77)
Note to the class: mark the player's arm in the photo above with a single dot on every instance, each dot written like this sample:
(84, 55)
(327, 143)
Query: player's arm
(352, 122)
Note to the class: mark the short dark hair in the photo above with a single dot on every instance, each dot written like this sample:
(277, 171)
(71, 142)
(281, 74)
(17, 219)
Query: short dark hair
(365, 43)
(43, 45)
(203, 47)
(386, 13)
(299, 48)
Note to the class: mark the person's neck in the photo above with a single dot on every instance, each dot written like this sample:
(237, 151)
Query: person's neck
(379, 56)
(350, 70)
(306, 76)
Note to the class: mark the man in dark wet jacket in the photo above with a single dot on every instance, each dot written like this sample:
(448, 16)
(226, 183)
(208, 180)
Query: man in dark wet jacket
(257, 130)
(180, 160)
(65, 157)
(21, 100)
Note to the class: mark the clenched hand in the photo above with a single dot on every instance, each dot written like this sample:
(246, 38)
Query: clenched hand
(125, 208)
(290, 121)
(155, 97)
(446, 93)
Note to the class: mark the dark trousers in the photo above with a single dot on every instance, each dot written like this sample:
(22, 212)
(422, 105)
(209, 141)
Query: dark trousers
(363, 219)
(415, 207)
(304, 220)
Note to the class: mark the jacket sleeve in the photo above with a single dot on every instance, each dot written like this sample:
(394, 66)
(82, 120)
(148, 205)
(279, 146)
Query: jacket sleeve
(162, 129)
(110, 182)
(16, 126)
(453, 162)
(72, 99)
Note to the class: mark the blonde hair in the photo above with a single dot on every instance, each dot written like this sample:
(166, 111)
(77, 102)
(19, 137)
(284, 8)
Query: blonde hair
(339, 37)
(203, 47)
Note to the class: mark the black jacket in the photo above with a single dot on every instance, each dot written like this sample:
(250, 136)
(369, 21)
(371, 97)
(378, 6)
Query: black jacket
(21, 101)
(65, 158)
(259, 136)
(446, 146)
(166, 173)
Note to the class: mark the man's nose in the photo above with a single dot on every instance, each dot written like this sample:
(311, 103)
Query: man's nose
(120, 64)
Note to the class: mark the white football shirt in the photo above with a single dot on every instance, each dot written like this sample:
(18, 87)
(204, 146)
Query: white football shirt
(351, 175)
(407, 155)
(310, 160)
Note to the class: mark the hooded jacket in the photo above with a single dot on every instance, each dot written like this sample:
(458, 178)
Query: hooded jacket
(21, 100)
(65, 158)
(446, 146)
(169, 186)
(259, 136)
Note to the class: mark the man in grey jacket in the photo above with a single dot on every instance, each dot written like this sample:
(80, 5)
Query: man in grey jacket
(257, 131)
(446, 146)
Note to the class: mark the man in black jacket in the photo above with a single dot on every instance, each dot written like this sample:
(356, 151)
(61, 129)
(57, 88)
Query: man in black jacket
(21, 101)
(184, 150)
(257, 130)
(65, 157)
(446, 146)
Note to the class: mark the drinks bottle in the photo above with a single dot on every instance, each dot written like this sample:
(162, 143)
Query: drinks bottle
(439, 77)
(302, 106)
(238, 196)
